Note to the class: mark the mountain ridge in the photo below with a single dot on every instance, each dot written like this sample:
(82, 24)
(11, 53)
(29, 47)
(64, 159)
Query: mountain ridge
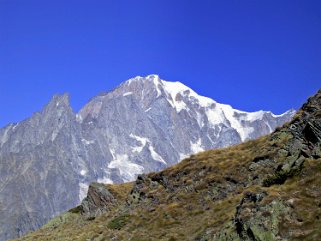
(56, 153)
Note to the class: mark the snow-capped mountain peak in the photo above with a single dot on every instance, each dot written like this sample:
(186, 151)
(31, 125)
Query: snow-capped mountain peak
(146, 91)
(146, 124)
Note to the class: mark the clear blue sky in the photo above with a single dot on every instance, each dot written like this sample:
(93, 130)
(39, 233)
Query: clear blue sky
(252, 54)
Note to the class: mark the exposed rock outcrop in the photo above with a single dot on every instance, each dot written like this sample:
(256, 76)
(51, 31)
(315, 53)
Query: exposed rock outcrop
(98, 201)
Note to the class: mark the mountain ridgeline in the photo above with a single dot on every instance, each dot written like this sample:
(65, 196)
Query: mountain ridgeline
(145, 125)
(268, 189)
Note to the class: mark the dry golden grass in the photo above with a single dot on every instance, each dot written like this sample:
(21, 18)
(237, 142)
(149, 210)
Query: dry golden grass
(202, 194)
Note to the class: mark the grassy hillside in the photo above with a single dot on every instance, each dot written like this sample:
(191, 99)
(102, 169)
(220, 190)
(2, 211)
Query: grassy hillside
(267, 189)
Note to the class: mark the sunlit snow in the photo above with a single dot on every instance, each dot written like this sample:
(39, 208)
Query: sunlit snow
(83, 189)
(83, 172)
(127, 169)
(128, 93)
(197, 146)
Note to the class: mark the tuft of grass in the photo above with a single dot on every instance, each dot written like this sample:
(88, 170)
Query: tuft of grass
(118, 222)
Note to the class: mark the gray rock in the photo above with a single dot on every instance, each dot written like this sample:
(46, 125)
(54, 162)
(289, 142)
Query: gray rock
(98, 200)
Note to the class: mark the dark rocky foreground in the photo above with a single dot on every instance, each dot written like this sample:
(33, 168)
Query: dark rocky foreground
(267, 189)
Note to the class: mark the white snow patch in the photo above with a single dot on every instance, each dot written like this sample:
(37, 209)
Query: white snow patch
(253, 116)
(79, 118)
(291, 111)
(128, 93)
(215, 116)
(127, 169)
(83, 189)
(138, 148)
(86, 142)
(174, 88)
(155, 155)
(105, 180)
(57, 104)
(182, 156)
(204, 101)
(229, 112)
(156, 83)
(197, 147)
(148, 109)
(179, 105)
(142, 140)
(236, 122)
(83, 172)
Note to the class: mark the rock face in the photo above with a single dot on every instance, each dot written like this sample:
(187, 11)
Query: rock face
(144, 125)
(99, 200)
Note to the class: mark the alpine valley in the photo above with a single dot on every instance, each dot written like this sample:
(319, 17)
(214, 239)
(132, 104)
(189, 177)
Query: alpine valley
(145, 125)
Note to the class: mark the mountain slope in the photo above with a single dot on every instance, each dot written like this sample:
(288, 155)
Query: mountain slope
(144, 125)
(157, 123)
(267, 189)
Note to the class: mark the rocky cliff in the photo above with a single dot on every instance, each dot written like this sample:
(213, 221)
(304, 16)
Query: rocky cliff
(144, 125)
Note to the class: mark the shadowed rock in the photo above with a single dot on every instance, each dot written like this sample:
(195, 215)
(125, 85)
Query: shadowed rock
(98, 201)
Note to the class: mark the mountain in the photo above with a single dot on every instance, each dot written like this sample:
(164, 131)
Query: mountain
(266, 189)
(146, 124)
